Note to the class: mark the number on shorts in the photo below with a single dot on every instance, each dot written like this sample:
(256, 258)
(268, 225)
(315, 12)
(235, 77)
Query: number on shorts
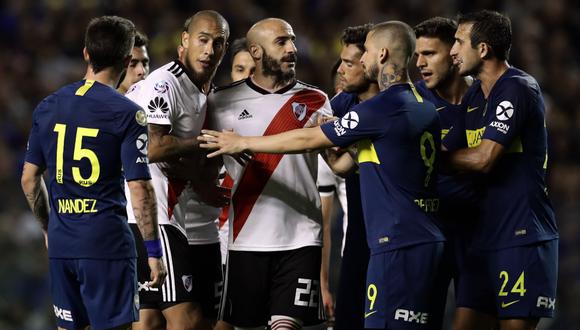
(372, 295)
(519, 287)
(310, 291)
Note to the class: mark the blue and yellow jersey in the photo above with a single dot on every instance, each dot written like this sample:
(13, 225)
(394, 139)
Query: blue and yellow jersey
(458, 193)
(516, 210)
(398, 140)
(86, 135)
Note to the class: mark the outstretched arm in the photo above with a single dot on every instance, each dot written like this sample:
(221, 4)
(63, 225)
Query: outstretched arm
(294, 141)
(164, 146)
(479, 159)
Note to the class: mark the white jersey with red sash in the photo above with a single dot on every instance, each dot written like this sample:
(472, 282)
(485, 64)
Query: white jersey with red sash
(275, 202)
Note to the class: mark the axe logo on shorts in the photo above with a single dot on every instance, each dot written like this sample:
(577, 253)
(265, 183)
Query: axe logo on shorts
(187, 282)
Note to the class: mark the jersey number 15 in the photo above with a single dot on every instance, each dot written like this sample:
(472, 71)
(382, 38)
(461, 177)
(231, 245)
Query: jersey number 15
(78, 154)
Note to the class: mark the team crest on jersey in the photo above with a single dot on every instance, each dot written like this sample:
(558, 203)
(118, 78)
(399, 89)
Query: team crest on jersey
(504, 110)
(350, 120)
(187, 282)
(161, 87)
(299, 110)
(158, 103)
(141, 118)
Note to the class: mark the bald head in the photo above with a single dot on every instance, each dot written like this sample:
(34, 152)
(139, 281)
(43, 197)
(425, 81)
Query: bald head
(395, 36)
(210, 15)
(271, 45)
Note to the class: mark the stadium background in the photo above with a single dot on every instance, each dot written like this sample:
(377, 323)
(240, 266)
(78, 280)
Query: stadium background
(40, 50)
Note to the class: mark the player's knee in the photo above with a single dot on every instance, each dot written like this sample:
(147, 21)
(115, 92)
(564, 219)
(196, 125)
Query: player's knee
(283, 322)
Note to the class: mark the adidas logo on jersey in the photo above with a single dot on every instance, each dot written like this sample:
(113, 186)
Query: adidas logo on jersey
(158, 103)
(244, 115)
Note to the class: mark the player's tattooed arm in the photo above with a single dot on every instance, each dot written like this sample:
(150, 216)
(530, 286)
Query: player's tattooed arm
(165, 147)
(35, 191)
(391, 74)
(144, 208)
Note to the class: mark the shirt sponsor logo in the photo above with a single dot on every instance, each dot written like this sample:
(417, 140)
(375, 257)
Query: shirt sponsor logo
(161, 87)
(299, 110)
(245, 114)
(411, 316)
(141, 143)
(546, 302)
(504, 110)
(63, 314)
(350, 120)
(158, 103)
(338, 129)
(502, 127)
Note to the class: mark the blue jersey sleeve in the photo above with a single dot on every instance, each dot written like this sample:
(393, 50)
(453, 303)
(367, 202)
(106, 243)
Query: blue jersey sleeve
(34, 154)
(508, 111)
(357, 124)
(134, 147)
(455, 138)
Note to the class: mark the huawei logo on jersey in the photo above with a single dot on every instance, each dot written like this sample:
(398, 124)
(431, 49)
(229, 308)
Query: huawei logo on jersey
(158, 103)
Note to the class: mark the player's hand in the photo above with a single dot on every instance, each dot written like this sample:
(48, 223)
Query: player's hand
(328, 303)
(158, 272)
(224, 143)
(216, 196)
(325, 119)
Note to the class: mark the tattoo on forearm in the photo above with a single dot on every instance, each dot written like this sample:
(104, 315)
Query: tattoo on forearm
(145, 212)
(390, 74)
(38, 202)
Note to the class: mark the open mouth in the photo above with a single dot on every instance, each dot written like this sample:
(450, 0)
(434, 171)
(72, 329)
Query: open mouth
(426, 75)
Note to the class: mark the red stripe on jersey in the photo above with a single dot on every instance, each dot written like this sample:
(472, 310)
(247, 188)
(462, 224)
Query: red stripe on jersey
(174, 189)
(260, 168)
(227, 183)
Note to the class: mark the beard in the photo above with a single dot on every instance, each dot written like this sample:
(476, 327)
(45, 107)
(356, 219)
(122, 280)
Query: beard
(358, 87)
(273, 67)
(372, 74)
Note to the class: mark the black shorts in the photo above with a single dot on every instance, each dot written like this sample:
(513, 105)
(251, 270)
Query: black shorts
(262, 284)
(207, 277)
(178, 286)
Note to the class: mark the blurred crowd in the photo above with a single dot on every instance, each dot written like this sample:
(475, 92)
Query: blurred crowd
(40, 50)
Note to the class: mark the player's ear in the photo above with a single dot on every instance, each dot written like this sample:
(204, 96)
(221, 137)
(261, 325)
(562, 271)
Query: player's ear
(86, 55)
(484, 50)
(184, 39)
(383, 55)
(256, 51)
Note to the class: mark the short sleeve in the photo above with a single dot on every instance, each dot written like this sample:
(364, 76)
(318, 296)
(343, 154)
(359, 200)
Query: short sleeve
(326, 180)
(357, 124)
(34, 154)
(506, 113)
(134, 148)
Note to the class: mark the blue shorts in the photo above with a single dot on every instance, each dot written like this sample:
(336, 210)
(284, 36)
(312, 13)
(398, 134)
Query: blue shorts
(406, 288)
(524, 280)
(518, 282)
(100, 293)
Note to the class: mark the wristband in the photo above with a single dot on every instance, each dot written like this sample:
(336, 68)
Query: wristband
(154, 248)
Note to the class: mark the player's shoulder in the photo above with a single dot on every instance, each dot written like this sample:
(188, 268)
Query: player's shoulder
(518, 81)
(165, 76)
(421, 87)
(342, 102)
(221, 89)
(305, 86)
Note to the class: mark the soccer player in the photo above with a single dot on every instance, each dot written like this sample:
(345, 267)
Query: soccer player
(83, 135)
(443, 86)
(138, 68)
(274, 257)
(506, 137)
(398, 136)
(243, 64)
(175, 98)
(350, 300)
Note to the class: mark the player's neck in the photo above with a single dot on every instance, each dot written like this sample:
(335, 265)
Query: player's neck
(490, 73)
(453, 90)
(269, 83)
(392, 74)
(106, 76)
(370, 92)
